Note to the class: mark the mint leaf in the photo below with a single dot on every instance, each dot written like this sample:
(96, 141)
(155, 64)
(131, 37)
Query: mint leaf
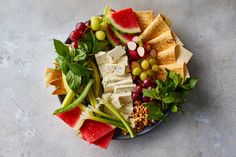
(176, 78)
(78, 69)
(61, 48)
(155, 112)
(81, 56)
(62, 61)
(190, 83)
(100, 46)
(150, 93)
(73, 80)
(173, 97)
(83, 46)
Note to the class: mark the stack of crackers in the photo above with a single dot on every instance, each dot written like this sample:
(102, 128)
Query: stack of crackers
(169, 49)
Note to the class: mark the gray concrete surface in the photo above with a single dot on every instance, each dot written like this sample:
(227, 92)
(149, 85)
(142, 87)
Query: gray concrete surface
(27, 127)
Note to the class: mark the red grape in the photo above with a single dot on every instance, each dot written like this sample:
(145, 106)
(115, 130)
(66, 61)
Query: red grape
(146, 99)
(148, 82)
(136, 96)
(80, 26)
(75, 35)
(138, 89)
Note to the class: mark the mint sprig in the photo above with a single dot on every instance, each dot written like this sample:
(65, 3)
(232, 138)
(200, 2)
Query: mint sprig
(169, 94)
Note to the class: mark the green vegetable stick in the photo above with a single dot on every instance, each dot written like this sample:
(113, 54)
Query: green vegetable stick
(118, 115)
(68, 99)
(77, 101)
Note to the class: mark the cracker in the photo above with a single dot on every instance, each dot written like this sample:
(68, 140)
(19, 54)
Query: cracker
(183, 54)
(167, 56)
(178, 68)
(144, 18)
(51, 75)
(162, 42)
(156, 28)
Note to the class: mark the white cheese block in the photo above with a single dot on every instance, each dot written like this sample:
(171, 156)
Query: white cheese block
(111, 86)
(123, 60)
(116, 103)
(184, 55)
(116, 69)
(116, 53)
(111, 78)
(102, 58)
(124, 88)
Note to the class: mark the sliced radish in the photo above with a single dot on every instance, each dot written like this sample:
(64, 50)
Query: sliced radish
(153, 53)
(135, 39)
(141, 51)
(131, 45)
(134, 55)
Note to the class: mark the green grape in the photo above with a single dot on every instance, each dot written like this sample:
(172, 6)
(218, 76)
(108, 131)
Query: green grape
(155, 68)
(136, 71)
(145, 64)
(174, 108)
(103, 26)
(134, 64)
(152, 61)
(100, 35)
(95, 18)
(143, 76)
(150, 73)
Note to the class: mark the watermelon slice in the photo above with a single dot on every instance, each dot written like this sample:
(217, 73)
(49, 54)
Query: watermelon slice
(105, 140)
(72, 118)
(93, 130)
(111, 37)
(125, 21)
(124, 38)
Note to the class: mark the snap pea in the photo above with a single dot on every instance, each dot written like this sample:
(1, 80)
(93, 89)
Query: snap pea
(77, 101)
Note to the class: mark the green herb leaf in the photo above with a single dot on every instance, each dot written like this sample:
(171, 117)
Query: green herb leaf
(78, 69)
(155, 112)
(173, 97)
(62, 61)
(100, 45)
(61, 48)
(190, 83)
(73, 81)
(81, 56)
(150, 93)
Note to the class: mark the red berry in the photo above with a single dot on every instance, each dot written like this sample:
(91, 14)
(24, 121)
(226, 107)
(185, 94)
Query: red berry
(134, 55)
(146, 99)
(138, 89)
(75, 35)
(80, 26)
(148, 82)
(136, 97)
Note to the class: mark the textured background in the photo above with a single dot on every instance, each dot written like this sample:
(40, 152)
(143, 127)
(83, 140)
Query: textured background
(27, 127)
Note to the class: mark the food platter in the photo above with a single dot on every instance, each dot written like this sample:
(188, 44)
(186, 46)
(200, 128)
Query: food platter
(119, 75)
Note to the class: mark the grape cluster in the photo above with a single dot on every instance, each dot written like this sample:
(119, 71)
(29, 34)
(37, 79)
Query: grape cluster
(99, 26)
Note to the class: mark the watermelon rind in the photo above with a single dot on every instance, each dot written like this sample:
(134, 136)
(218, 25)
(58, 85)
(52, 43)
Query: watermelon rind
(122, 37)
(124, 30)
(112, 38)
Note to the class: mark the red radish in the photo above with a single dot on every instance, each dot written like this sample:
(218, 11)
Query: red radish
(80, 26)
(141, 51)
(135, 39)
(147, 47)
(134, 55)
(131, 45)
(153, 53)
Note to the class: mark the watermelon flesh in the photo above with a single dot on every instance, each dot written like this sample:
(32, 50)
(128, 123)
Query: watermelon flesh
(71, 117)
(125, 21)
(93, 130)
(124, 38)
(111, 37)
(105, 140)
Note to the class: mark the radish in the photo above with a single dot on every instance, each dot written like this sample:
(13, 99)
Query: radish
(131, 45)
(134, 55)
(141, 51)
(153, 53)
(135, 39)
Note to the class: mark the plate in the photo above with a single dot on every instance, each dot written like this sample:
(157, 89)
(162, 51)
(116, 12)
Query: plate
(118, 135)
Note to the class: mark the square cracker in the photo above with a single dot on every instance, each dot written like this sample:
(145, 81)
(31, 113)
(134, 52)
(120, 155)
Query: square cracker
(144, 18)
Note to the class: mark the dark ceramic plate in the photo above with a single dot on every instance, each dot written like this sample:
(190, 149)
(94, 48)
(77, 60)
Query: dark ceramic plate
(118, 135)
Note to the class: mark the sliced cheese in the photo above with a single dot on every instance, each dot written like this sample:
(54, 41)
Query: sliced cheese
(111, 86)
(116, 53)
(123, 60)
(102, 58)
(124, 88)
(111, 78)
(183, 55)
